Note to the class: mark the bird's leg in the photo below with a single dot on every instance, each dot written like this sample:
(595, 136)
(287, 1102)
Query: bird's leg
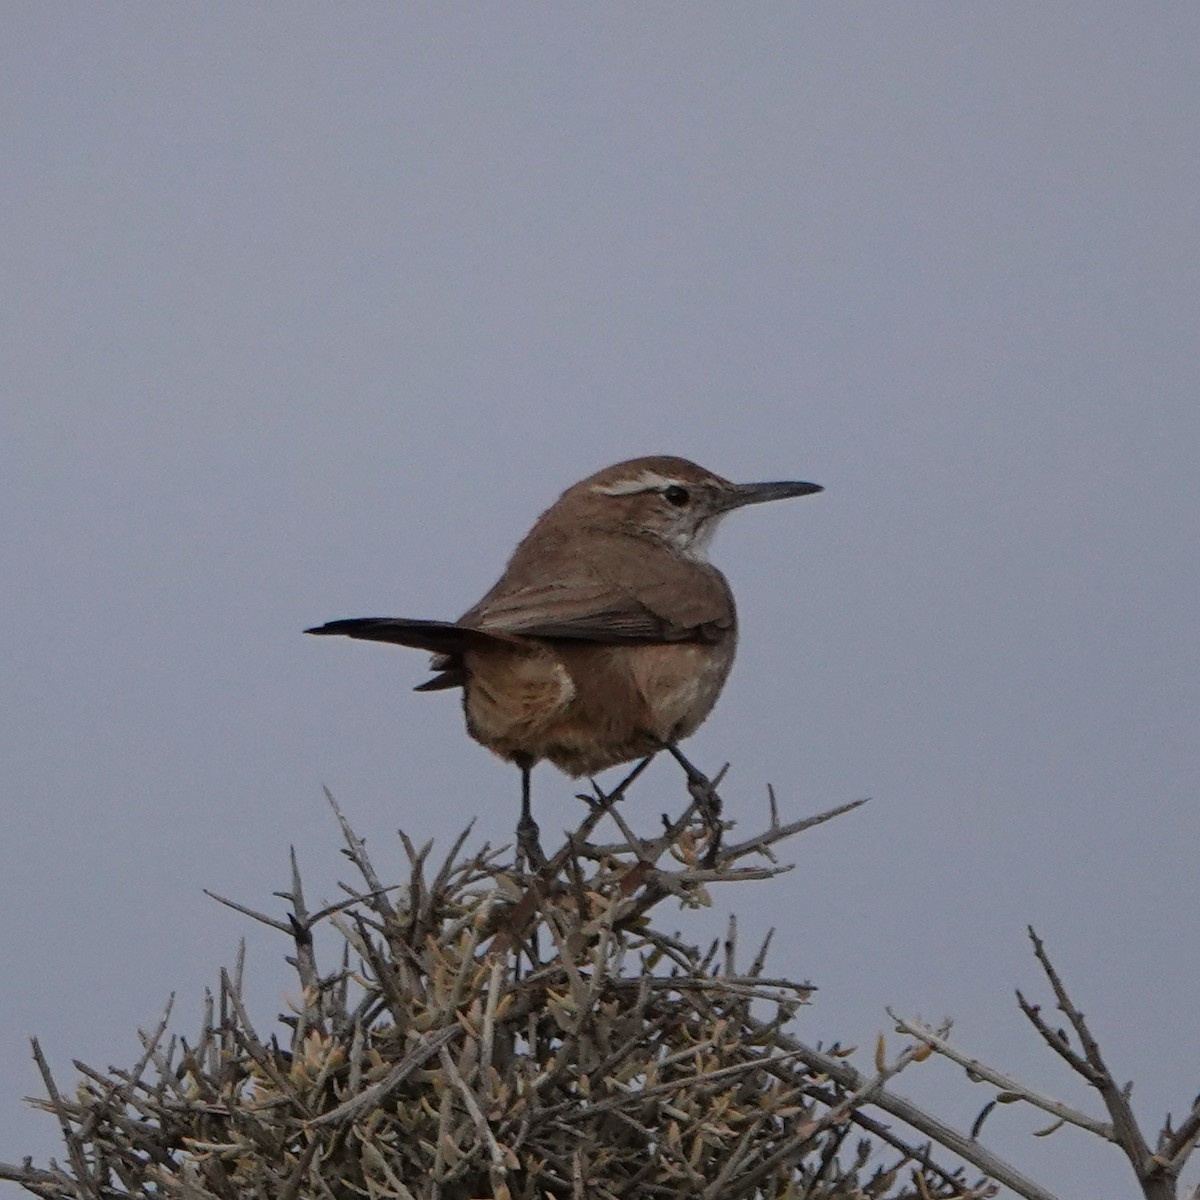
(704, 791)
(528, 835)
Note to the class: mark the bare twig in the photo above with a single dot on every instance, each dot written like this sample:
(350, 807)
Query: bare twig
(916, 1118)
(84, 1179)
(1006, 1083)
(1156, 1174)
(372, 1096)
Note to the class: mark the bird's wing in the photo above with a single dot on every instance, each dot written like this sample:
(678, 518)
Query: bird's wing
(665, 605)
(591, 614)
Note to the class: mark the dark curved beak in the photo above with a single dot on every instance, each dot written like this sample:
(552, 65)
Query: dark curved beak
(760, 493)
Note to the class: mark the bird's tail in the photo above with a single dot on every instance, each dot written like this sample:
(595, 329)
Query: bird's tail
(446, 640)
(438, 637)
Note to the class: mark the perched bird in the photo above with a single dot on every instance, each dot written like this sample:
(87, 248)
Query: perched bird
(608, 637)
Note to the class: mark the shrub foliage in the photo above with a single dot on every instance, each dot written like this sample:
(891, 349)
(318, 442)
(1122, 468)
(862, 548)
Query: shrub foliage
(487, 1029)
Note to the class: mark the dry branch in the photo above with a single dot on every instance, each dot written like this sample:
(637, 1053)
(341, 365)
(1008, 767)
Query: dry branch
(487, 1032)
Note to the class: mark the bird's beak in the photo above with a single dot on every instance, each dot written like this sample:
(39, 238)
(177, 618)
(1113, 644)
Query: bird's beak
(760, 493)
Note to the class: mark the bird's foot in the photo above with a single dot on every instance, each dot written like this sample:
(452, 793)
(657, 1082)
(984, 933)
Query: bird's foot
(708, 804)
(529, 846)
(703, 792)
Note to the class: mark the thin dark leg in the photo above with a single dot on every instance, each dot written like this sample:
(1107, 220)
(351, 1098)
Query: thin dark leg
(528, 834)
(704, 792)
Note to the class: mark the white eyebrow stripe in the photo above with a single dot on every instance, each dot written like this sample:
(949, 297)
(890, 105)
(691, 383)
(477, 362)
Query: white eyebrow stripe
(647, 481)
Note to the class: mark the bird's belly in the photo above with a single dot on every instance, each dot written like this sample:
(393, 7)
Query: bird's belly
(585, 706)
(680, 682)
(574, 704)
(512, 695)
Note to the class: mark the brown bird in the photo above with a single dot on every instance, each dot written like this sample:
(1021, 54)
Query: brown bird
(608, 637)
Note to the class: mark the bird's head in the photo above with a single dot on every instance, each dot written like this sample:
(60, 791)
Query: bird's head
(667, 498)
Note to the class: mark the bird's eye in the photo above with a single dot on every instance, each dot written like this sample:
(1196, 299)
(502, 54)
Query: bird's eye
(676, 495)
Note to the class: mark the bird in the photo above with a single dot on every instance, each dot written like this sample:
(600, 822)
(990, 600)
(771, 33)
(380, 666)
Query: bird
(608, 637)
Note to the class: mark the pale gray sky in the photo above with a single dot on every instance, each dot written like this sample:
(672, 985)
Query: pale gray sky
(310, 309)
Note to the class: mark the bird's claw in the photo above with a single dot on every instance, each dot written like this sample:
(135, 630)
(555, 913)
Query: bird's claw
(529, 846)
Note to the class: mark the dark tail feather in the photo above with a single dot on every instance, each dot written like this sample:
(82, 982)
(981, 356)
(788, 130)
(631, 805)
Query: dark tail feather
(438, 637)
(451, 677)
